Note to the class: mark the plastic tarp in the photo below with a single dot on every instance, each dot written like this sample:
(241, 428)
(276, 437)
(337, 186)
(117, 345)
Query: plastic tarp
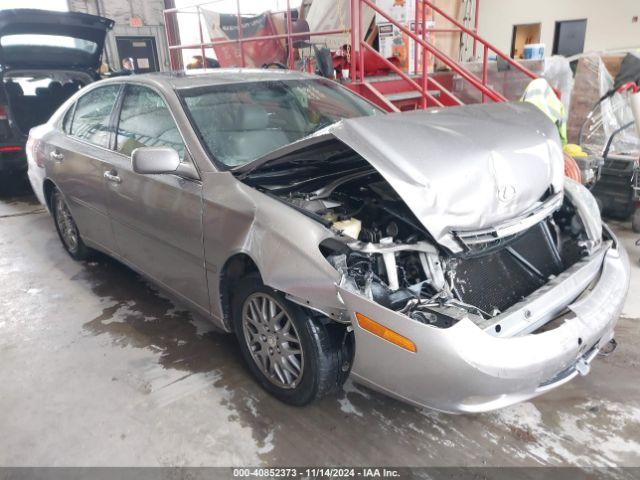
(334, 15)
(557, 71)
(224, 27)
(629, 70)
(612, 113)
(502, 77)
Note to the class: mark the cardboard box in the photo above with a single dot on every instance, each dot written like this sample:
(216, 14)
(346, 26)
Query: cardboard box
(402, 11)
(394, 43)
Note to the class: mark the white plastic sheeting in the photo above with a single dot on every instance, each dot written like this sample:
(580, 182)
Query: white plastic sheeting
(609, 116)
(557, 71)
(334, 15)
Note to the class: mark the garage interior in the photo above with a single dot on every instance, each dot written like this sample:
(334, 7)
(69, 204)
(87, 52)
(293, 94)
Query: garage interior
(99, 368)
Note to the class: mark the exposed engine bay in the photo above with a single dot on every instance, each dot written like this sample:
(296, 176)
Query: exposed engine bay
(383, 251)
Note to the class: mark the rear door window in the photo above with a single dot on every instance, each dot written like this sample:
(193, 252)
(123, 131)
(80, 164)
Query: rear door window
(145, 121)
(92, 114)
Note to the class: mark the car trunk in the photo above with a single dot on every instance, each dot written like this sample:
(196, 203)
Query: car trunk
(45, 57)
(32, 98)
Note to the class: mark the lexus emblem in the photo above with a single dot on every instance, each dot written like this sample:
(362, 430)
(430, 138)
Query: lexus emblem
(506, 193)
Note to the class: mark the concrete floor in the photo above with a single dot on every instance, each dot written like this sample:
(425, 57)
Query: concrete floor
(97, 368)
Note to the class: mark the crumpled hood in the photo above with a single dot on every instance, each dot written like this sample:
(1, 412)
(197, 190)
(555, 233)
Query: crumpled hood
(457, 168)
(462, 168)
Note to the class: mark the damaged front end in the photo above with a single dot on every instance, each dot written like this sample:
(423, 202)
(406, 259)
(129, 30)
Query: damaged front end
(459, 304)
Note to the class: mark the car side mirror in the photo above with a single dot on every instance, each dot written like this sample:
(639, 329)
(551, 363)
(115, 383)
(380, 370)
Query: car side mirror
(149, 160)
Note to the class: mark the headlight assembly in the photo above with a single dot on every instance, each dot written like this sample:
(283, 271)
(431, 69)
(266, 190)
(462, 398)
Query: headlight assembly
(587, 208)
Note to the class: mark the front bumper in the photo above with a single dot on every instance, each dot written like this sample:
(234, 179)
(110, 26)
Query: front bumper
(465, 369)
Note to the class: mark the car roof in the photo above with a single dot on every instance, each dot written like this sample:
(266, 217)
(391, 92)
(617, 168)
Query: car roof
(181, 80)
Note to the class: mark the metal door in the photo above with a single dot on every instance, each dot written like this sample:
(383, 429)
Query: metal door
(569, 37)
(156, 219)
(142, 50)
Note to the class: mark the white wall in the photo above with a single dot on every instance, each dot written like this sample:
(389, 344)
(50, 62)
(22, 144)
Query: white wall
(609, 24)
(121, 11)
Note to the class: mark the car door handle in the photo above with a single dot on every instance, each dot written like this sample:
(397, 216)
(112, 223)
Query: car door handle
(112, 177)
(56, 156)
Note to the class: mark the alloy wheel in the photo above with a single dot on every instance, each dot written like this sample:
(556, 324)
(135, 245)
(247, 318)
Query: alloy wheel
(66, 225)
(273, 340)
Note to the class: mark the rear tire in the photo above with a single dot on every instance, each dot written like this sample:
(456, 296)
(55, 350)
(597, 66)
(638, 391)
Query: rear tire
(67, 228)
(291, 354)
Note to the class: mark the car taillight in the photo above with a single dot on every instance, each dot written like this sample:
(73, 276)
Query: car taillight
(10, 148)
(3, 112)
(34, 152)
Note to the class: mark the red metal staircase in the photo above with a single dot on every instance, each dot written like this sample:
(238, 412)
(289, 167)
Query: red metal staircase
(427, 89)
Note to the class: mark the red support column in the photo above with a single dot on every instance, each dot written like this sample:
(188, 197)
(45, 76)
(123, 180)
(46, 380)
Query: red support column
(360, 42)
(425, 58)
(355, 44)
(416, 51)
(289, 39)
(169, 40)
(485, 58)
(240, 34)
(476, 16)
(204, 58)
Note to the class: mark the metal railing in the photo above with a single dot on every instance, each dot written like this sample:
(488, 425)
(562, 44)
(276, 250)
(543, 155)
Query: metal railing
(289, 35)
(419, 36)
(424, 50)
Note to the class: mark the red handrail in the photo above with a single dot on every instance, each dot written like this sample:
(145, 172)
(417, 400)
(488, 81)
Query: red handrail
(252, 39)
(477, 38)
(404, 76)
(289, 39)
(241, 40)
(240, 31)
(358, 47)
(468, 76)
(384, 101)
(352, 53)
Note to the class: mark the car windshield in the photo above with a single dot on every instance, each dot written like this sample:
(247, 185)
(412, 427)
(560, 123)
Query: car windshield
(242, 122)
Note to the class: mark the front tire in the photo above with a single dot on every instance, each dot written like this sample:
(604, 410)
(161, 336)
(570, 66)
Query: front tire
(289, 352)
(67, 228)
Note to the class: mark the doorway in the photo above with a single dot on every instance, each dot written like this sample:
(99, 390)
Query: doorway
(569, 37)
(524, 34)
(143, 51)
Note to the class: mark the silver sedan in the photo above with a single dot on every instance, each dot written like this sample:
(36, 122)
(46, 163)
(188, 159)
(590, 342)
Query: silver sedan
(438, 256)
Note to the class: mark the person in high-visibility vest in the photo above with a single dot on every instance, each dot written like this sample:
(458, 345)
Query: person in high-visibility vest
(540, 94)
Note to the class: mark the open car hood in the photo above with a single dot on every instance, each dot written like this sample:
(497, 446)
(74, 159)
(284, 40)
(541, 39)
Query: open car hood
(458, 168)
(79, 26)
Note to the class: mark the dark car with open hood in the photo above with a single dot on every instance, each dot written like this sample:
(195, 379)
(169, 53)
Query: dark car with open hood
(45, 57)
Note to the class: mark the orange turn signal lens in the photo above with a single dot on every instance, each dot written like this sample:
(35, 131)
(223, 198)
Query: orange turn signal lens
(383, 332)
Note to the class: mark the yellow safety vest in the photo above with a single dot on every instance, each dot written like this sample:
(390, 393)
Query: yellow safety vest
(540, 94)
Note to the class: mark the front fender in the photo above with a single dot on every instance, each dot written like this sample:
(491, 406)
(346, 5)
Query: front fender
(282, 242)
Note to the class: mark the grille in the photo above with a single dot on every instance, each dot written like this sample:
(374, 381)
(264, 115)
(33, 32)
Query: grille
(500, 279)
